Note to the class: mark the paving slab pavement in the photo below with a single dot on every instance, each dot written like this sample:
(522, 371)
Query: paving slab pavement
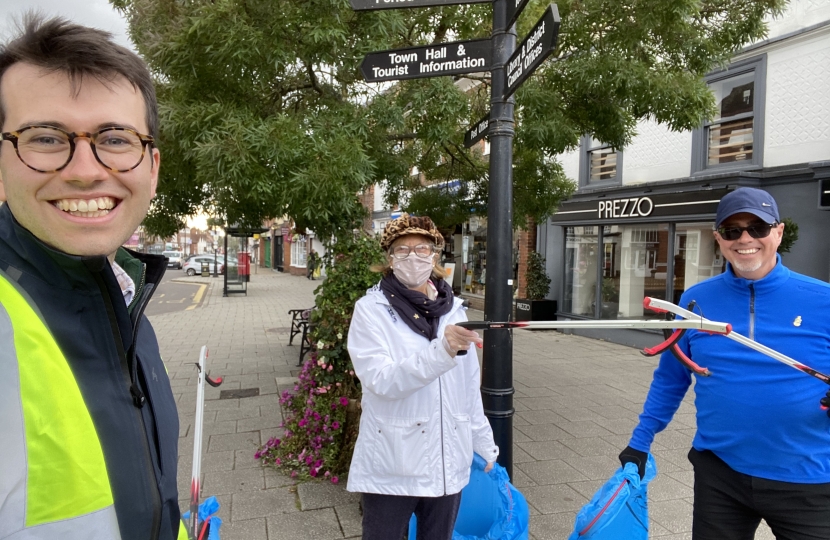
(577, 400)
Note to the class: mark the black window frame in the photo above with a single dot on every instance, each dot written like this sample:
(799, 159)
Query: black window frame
(757, 65)
(585, 150)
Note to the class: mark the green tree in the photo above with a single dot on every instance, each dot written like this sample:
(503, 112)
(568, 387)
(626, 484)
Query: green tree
(264, 112)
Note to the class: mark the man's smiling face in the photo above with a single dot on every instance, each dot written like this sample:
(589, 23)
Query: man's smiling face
(85, 208)
(751, 258)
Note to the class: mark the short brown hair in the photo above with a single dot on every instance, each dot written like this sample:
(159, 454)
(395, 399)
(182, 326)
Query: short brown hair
(57, 45)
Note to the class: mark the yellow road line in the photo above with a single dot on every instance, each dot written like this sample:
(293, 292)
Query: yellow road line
(198, 296)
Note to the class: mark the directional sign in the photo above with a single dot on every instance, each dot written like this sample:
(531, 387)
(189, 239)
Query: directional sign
(372, 5)
(480, 130)
(514, 8)
(538, 44)
(454, 58)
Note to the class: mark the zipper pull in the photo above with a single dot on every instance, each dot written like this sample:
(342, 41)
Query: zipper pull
(138, 396)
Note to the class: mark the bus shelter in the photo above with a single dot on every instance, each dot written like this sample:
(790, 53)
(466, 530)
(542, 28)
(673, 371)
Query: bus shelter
(238, 259)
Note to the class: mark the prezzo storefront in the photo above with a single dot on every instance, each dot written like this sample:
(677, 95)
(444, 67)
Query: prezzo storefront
(607, 252)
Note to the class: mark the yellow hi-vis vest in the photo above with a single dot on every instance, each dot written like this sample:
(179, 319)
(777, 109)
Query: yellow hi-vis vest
(53, 478)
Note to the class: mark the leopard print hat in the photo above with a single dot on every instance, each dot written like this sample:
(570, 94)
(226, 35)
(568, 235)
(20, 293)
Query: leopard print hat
(407, 224)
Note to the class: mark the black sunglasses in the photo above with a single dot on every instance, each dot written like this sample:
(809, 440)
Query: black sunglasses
(756, 230)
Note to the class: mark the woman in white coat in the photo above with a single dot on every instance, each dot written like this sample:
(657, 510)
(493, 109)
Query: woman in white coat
(422, 413)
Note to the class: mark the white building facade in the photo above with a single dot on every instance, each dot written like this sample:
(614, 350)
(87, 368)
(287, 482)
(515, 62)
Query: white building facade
(640, 223)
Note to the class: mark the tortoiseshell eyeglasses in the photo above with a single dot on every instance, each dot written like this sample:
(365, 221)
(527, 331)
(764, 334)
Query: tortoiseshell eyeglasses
(49, 149)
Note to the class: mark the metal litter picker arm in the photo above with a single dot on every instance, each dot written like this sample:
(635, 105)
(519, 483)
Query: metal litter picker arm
(679, 326)
(699, 324)
(195, 482)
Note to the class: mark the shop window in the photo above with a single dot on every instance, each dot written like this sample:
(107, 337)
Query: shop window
(696, 256)
(633, 263)
(298, 251)
(734, 137)
(580, 291)
(474, 256)
(659, 260)
(643, 253)
(599, 163)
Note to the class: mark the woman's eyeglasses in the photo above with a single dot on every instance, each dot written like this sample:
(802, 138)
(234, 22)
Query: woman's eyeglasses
(421, 250)
(756, 230)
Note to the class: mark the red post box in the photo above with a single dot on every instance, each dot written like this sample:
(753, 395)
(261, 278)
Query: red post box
(244, 261)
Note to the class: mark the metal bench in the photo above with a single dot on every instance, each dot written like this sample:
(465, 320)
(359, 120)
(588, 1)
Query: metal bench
(300, 324)
(298, 318)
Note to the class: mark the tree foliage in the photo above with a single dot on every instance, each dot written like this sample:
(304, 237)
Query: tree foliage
(264, 112)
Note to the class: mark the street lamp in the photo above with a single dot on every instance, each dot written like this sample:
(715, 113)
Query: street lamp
(215, 253)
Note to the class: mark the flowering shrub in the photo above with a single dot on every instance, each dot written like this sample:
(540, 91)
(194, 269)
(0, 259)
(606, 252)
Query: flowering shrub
(321, 413)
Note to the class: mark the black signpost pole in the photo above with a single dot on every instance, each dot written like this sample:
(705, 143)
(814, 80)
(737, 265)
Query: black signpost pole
(497, 364)
(509, 68)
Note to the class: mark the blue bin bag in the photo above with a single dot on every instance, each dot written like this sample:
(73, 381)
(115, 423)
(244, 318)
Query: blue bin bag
(491, 508)
(619, 510)
(206, 510)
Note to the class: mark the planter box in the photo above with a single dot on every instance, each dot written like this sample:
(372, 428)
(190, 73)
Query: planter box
(535, 310)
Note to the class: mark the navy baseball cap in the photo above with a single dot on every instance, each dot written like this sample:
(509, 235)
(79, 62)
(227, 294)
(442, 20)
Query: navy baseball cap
(753, 201)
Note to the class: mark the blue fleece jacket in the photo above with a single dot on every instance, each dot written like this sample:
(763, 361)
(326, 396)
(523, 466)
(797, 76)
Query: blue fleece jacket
(758, 415)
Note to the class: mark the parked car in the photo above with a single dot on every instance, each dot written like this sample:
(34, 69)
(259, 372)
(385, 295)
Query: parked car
(193, 265)
(174, 259)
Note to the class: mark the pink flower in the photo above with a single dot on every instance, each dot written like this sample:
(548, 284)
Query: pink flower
(331, 367)
(344, 401)
(321, 390)
(313, 472)
(335, 425)
(293, 474)
(334, 480)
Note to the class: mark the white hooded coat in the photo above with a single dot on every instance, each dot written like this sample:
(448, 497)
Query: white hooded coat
(422, 413)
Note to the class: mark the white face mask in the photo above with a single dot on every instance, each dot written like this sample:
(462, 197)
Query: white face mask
(413, 271)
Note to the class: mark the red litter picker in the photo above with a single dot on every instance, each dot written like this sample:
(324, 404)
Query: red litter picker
(195, 483)
(668, 307)
(673, 329)
(689, 320)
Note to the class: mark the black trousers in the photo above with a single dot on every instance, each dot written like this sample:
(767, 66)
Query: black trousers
(386, 517)
(730, 505)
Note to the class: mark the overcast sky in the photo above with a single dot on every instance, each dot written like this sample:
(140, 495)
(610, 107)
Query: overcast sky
(96, 13)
